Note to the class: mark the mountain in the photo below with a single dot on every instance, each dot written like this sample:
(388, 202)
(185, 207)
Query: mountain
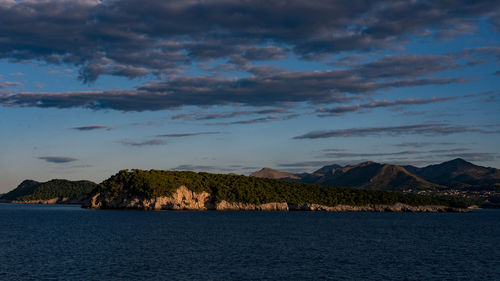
(53, 191)
(457, 179)
(369, 175)
(327, 169)
(274, 174)
(458, 172)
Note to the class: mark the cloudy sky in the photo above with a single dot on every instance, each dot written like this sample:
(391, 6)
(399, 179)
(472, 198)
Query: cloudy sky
(90, 87)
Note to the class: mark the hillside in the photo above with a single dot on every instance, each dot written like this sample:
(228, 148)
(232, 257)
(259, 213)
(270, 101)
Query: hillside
(458, 172)
(144, 189)
(57, 190)
(371, 175)
(274, 174)
(367, 175)
(452, 179)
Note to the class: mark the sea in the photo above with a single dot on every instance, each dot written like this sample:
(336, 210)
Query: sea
(66, 242)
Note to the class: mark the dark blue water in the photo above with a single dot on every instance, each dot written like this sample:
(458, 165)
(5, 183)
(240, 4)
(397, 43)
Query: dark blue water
(40, 242)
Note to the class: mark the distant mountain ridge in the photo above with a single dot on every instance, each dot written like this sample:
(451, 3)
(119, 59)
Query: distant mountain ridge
(372, 175)
(269, 173)
(458, 172)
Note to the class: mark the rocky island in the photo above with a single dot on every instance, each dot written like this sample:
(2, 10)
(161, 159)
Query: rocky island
(174, 190)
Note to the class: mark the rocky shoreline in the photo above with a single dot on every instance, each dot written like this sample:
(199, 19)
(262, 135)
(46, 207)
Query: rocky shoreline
(185, 199)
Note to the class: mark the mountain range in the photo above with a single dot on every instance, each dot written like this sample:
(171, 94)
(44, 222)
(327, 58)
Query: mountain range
(455, 177)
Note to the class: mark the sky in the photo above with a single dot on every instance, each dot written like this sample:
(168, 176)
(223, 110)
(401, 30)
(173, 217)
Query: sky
(88, 87)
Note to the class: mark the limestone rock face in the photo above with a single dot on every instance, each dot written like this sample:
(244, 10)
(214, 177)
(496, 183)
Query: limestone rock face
(181, 199)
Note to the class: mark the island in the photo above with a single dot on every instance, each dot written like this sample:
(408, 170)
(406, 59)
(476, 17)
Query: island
(184, 190)
(56, 191)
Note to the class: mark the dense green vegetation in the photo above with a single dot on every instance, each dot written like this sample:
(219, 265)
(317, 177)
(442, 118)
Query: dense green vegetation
(32, 190)
(234, 188)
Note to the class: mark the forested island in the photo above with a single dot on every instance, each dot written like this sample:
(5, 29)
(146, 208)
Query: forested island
(51, 192)
(176, 190)
(184, 190)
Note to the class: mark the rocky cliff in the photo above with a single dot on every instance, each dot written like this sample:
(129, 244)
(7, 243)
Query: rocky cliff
(185, 199)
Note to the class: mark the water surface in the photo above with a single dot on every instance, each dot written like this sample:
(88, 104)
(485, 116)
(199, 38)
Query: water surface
(58, 242)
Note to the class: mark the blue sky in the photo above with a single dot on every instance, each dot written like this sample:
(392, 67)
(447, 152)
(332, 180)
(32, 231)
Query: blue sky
(91, 87)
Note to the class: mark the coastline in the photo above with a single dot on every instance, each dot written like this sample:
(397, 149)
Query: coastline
(185, 199)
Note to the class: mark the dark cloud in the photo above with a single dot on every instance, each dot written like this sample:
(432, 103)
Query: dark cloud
(265, 53)
(181, 135)
(91, 72)
(91, 128)
(328, 86)
(257, 120)
(230, 114)
(423, 144)
(433, 129)
(406, 66)
(448, 150)
(57, 159)
(348, 61)
(341, 110)
(128, 38)
(143, 143)
(479, 55)
(355, 154)
(391, 153)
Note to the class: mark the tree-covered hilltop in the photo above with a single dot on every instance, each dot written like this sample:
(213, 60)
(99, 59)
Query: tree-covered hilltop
(235, 188)
(31, 190)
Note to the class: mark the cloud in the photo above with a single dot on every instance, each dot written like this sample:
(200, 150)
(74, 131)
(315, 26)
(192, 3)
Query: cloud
(181, 135)
(479, 55)
(227, 114)
(203, 168)
(316, 87)
(98, 37)
(341, 110)
(355, 154)
(391, 153)
(143, 143)
(423, 144)
(92, 128)
(57, 159)
(432, 129)
(406, 66)
(90, 72)
(257, 120)
(9, 84)
(474, 156)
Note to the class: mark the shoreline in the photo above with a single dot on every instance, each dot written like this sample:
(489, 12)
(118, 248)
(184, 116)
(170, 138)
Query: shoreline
(185, 199)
